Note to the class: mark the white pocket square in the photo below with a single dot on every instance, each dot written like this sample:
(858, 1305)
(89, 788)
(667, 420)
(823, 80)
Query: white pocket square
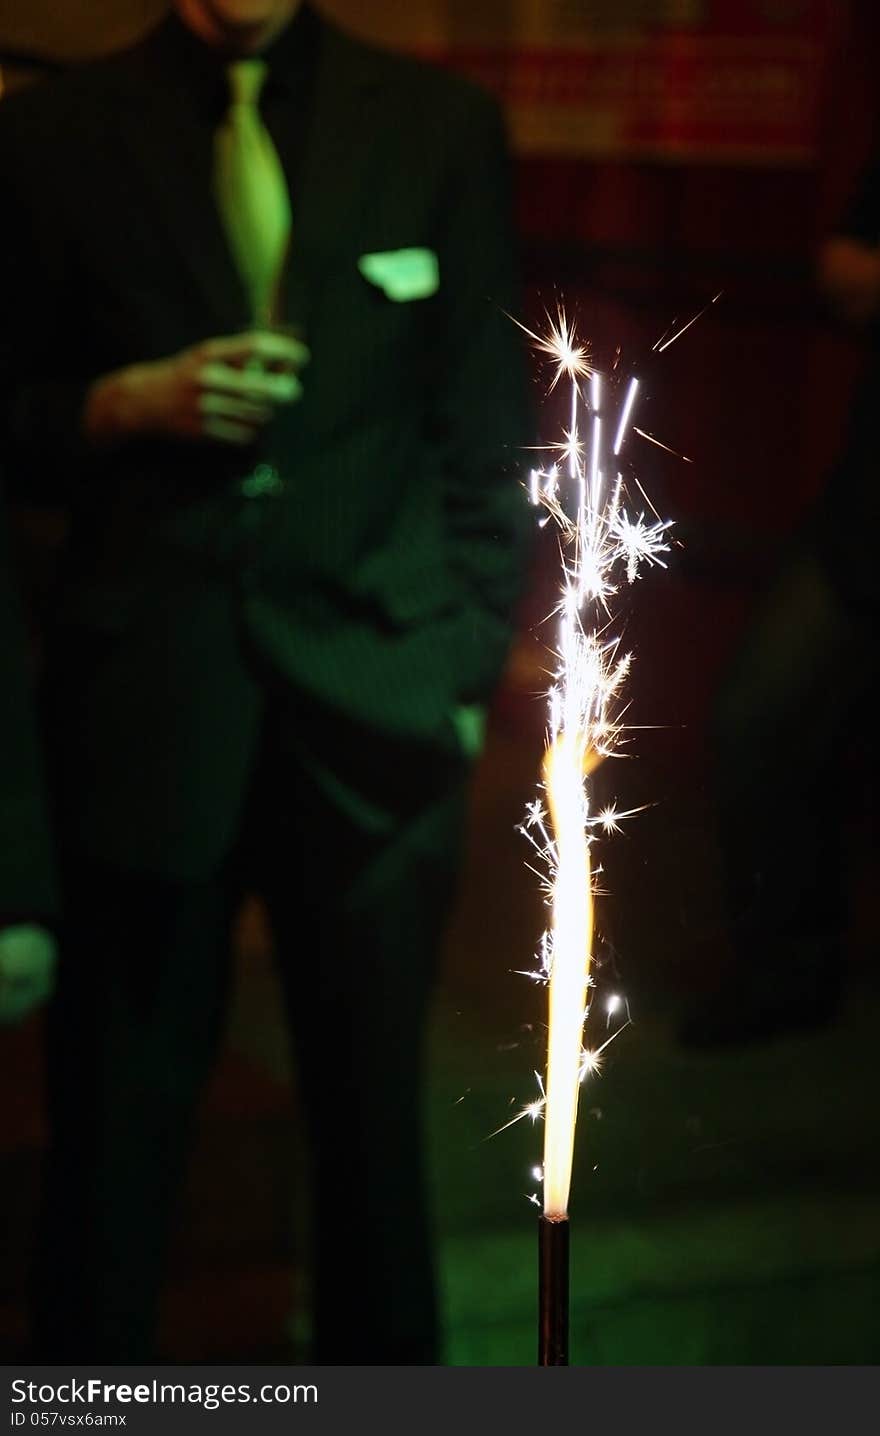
(402, 273)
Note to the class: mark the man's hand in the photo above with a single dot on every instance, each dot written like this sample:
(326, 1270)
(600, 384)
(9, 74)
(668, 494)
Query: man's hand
(849, 273)
(27, 969)
(223, 389)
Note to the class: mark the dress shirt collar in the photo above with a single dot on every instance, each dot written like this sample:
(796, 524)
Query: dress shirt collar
(291, 58)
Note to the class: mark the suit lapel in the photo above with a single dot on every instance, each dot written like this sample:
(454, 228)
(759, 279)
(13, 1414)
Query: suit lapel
(342, 150)
(174, 154)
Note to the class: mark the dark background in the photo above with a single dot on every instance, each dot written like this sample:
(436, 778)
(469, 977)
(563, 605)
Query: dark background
(724, 1206)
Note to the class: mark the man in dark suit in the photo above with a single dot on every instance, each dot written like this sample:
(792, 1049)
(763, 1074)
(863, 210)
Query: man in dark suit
(286, 597)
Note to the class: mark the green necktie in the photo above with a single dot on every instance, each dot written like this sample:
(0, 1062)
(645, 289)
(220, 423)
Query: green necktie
(251, 190)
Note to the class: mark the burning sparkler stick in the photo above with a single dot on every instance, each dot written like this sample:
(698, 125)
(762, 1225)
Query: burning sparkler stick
(604, 544)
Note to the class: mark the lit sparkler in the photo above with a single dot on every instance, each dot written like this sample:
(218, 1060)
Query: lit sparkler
(605, 543)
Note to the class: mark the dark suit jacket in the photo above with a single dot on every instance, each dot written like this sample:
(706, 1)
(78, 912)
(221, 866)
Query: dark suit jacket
(377, 582)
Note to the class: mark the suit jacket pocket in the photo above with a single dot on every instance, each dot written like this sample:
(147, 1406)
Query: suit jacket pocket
(402, 274)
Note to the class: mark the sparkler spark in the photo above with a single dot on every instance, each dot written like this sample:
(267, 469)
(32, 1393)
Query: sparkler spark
(604, 544)
(624, 416)
(560, 344)
(664, 342)
(609, 820)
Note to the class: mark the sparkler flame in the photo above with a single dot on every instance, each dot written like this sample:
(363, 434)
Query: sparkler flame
(604, 545)
(570, 962)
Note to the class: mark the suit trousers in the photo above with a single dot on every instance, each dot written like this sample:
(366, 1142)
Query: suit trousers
(353, 841)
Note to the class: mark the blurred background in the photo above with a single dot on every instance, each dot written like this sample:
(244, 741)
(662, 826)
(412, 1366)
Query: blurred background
(724, 1203)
